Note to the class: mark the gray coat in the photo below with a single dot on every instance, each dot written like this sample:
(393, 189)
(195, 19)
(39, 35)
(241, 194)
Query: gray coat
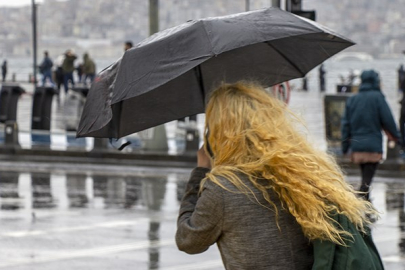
(246, 233)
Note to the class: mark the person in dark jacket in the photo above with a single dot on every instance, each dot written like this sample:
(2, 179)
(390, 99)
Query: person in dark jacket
(261, 191)
(68, 67)
(79, 70)
(322, 73)
(46, 69)
(4, 70)
(58, 71)
(366, 115)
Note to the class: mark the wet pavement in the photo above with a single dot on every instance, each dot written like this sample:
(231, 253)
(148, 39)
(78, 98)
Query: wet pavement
(126, 219)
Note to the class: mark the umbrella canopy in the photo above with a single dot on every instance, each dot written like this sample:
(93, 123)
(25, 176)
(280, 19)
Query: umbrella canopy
(169, 75)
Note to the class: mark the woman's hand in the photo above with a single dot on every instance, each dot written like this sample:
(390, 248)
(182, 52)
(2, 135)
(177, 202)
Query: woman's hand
(203, 160)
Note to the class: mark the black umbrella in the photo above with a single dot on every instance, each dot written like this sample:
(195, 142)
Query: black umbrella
(169, 75)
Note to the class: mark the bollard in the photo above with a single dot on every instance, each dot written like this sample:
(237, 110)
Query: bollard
(158, 139)
(41, 108)
(192, 139)
(41, 116)
(9, 95)
(73, 107)
(393, 150)
(11, 134)
(100, 144)
(13, 77)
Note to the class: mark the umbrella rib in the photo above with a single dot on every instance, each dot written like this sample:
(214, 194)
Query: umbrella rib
(286, 58)
(200, 80)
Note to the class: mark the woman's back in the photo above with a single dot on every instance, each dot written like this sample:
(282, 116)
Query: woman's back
(245, 230)
(251, 238)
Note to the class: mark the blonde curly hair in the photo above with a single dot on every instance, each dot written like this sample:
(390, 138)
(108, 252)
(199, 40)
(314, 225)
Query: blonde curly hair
(253, 133)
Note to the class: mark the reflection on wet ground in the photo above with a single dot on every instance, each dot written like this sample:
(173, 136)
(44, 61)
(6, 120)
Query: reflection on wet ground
(106, 221)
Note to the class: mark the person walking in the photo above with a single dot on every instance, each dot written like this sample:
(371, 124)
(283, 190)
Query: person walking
(263, 193)
(46, 69)
(68, 67)
(322, 73)
(89, 69)
(58, 71)
(304, 84)
(4, 70)
(366, 115)
(79, 70)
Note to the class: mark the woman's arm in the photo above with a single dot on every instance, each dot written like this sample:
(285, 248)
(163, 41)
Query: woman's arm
(387, 121)
(199, 224)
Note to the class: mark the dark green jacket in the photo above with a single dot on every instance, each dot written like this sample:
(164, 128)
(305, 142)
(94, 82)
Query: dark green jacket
(68, 64)
(359, 254)
(366, 115)
(89, 67)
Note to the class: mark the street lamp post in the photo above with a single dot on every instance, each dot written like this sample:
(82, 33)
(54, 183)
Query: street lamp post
(157, 138)
(153, 16)
(34, 39)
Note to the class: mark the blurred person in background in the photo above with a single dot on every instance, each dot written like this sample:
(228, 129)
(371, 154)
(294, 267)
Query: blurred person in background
(4, 70)
(58, 71)
(68, 67)
(89, 69)
(366, 115)
(322, 74)
(79, 70)
(46, 69)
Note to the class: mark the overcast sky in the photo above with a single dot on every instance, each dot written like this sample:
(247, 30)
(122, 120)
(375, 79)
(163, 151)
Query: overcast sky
(16, 3)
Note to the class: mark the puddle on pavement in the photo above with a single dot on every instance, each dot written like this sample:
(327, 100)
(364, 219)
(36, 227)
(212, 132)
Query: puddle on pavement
(40, 190)
(25, 192)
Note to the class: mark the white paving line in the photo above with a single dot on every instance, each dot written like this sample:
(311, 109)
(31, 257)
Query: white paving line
(394, 258)
(112, 224)
(382, 238)
(92, 252)
(196, 266)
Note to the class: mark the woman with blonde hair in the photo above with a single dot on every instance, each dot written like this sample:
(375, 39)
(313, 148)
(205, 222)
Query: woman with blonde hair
(263, 193)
